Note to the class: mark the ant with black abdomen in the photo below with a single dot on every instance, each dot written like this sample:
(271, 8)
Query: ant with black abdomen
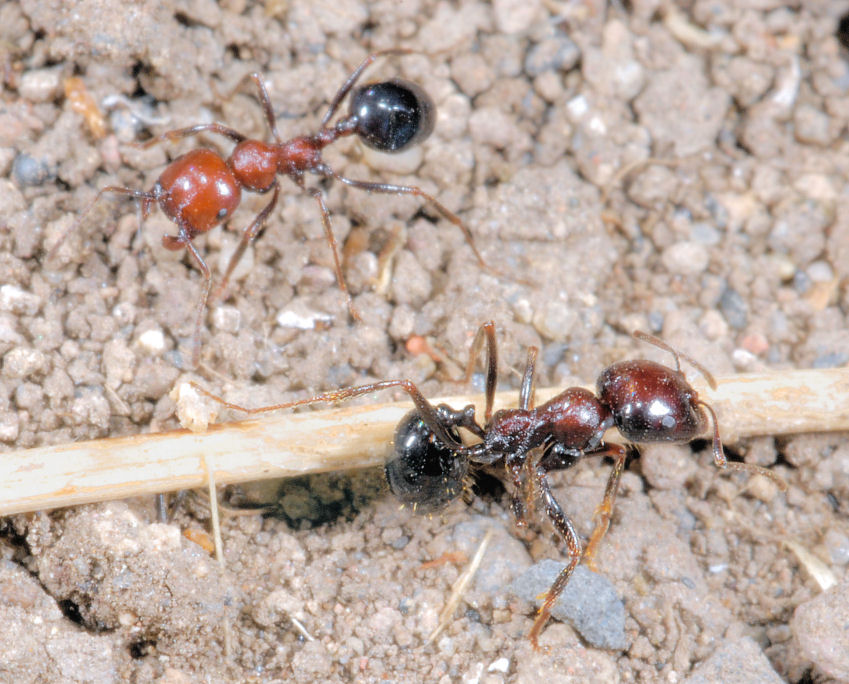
(646, 401)
(200, 189)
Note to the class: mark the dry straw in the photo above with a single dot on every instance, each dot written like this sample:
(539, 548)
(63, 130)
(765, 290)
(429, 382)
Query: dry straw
(344, 437)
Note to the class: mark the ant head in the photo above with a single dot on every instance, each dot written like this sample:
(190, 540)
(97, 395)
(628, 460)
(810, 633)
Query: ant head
(423, 472)
(392, 115)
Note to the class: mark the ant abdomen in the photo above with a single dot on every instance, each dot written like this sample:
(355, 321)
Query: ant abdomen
(423, 472)
(651, 402)
(392, 115)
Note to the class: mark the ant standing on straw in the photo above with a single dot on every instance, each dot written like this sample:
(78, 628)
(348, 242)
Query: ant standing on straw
(200, 189)
(644, 400)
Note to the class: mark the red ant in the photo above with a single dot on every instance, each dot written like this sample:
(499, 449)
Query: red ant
(646, 401)
(200, 189)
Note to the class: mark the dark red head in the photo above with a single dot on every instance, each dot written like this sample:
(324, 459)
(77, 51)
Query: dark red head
(651, 402)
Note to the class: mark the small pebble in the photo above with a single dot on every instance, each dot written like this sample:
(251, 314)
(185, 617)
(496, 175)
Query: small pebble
(22, 362)
(152, 341)
(227, 318)
(18, 301)
(589, 602)
(735, 661)
(40, 85)
(820, 629)
(29, 171)
(686, 258)
(734, 309)
(553, 54)
(194, 412)
(514, 16)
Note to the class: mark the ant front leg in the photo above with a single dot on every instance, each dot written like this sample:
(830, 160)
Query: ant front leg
(183, 240)
(604, 511)
(516, 465)
(248, 236)
(429, 413)
(526, 393)
(566, 530)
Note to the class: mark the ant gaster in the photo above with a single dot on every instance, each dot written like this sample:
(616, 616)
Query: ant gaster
(200, 189)
(646, 401)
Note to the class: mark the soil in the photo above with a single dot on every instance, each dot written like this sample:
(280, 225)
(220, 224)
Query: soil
(680, 171)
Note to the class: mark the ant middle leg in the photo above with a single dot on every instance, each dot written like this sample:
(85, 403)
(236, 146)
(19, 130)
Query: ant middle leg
(249, 234)
(180, 133)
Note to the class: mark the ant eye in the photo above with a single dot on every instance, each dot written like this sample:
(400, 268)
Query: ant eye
(222, 213)
(392, 115)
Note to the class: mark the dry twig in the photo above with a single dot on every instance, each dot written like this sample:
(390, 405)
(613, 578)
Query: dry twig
(287, 444)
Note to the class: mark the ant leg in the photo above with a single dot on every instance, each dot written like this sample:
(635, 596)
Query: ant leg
(567, 531)
(265, 101)
(248, 236)
(204, 298)
(515, 464)
(724, 464)
(427, 411)
(660, 344)
(446, 213)
(604, 511)
(180, 133)
(486, 331)
(526, 393)
(334, 248)
(351, 81)
(145, 197)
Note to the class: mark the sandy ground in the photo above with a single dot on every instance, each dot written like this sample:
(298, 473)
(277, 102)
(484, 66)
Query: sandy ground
(680, 172)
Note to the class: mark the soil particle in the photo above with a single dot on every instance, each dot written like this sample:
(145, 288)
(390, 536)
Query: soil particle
(589, 602)
(819, 627)
(735, 662)
(140, 582)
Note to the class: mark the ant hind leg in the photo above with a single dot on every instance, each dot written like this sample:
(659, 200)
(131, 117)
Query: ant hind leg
(566, 530)
(604, 511)
(351, 81)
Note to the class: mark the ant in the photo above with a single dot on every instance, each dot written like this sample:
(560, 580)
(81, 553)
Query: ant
(200, 189)
(646, 401)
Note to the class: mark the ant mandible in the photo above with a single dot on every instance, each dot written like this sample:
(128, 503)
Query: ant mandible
(200, 189)
(645, 400)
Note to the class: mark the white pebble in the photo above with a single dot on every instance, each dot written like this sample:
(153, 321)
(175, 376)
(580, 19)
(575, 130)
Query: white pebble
(16, 300)
(227, 319)
(152, 341)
